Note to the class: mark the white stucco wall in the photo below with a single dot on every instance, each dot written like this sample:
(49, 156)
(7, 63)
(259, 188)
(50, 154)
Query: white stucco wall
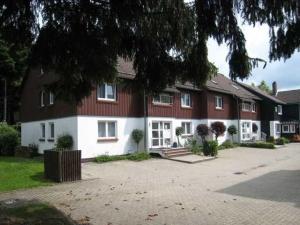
(31, 132)
(273, 129)
(88, 136)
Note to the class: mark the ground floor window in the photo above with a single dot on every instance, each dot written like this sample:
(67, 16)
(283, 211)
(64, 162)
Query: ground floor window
(246, 131)
(286, 128)
(51, 131)
(107, 129)
(187, 128)
(161, 134)
(278, 128)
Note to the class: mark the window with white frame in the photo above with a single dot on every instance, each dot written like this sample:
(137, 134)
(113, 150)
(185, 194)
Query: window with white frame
(163, 98)
(279, 109)
(246, 106)
(51, 131)
(254, 107)
(292, 128)
(285, 128)
(186, 100)
(278, 128)
(42, 98)
(219, 102)
(43, 130)
(51, 98)
(107, 129)
(106, 92)
(187, 128)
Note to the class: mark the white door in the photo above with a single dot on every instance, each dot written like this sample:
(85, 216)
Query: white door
(246, 131)
(161, 134)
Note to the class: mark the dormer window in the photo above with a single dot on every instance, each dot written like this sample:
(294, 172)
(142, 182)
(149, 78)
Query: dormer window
(106, 92)
(164, 99)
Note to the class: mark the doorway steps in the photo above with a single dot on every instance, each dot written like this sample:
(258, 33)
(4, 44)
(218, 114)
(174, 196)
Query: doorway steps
(174, 152)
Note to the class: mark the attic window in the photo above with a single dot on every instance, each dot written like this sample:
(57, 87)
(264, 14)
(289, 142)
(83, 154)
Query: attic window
(215, 82)
(236, 87)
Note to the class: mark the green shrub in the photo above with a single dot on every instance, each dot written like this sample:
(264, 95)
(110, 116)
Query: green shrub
(108, 158)
(193, 146)
(271, 139)
(206, 149)
(232, 130)
(34, 149)
(9, 139)
(137, 135)
(285, 140)
(228, 144)
(279, 141)
(259, 145)
(64, 141)
(210, 148)
(138, 156)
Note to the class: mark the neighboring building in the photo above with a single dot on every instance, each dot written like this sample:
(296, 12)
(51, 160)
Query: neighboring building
(291, 111)
(271, 110)
(103, 122)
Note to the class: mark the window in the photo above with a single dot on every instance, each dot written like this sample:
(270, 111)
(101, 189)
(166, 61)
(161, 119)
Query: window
(186, 100)
(278, 128)
(51, 131)
(292, 128)
(163, 99)
(42, 98)
(219, 102)
(106, 92)
(187, 128)
(279, 109)
(285, 129)
(107, 129)
(246, 106)
(253, 107)
(51, 98)
(43, 131)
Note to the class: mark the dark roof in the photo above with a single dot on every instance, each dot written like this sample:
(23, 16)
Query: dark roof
(221, 83)
(262, 93)
(290, 97)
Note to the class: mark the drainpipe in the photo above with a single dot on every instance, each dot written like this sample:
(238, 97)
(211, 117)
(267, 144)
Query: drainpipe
(238, 118)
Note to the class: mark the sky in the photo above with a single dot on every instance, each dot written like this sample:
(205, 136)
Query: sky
(285, 73)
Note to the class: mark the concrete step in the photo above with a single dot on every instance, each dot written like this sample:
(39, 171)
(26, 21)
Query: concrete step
(175, 150)
(178, 154)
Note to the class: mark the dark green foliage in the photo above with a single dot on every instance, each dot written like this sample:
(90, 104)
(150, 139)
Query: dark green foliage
(178, 132)
(232, 130)
(282, 141)
(227, 144)
(193, 146)
(254, 127)
(107, 158)
(259, 145)
(9, 139)
(64, 141)
(264, 87)
(271, 139)
(210, 148)
(137, 136)
(137, 156)
(202, 131)
(218, 128)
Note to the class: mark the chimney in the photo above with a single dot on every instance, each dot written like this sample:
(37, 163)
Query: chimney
(274, 88)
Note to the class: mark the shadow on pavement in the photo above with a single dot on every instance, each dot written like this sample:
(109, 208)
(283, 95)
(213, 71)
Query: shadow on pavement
(279, 186)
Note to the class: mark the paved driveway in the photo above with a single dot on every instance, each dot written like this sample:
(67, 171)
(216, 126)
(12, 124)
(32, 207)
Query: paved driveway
(243, 186)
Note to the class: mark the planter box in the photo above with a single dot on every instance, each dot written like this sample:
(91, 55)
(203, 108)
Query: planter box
(62, 165)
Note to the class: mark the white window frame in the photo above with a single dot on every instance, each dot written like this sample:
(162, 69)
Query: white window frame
(219, 104)
(42, 95)
(51, 137)
(292, 128)
(43, 131)
(277, 125)
(159, 102)
(106, 122)
(186, 97)
(279, 109)
(184, 126)
(105, 92)
(244, 108)
(253, 107)
(51, 98)
(288, 128)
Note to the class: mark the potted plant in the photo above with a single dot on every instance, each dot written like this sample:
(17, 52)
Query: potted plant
(137, 136)
(232, 131)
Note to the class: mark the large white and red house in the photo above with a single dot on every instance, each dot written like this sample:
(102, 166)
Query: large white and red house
(102, 123)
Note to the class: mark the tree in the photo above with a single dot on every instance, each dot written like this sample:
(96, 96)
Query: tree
(232, 131)
(218, 128)
(166, 39)
(137, 136)
(179, 131)
(202, 131)
(264, 87)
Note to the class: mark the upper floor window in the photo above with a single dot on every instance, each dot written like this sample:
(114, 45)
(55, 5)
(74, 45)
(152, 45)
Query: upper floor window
(186, 100)
(42, 98)
(164, 98)
(279, 109)
(246, 106)
(51, 131)
(187, 128)
(51, 98)
(106, 92)
(253, 107)
(218, 102)
(107, 129)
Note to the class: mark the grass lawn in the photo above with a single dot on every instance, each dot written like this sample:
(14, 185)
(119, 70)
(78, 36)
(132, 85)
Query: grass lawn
(16, 173)
(33, 213)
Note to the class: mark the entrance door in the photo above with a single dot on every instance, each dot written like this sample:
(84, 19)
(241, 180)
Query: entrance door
(161, 134)
(246, 131)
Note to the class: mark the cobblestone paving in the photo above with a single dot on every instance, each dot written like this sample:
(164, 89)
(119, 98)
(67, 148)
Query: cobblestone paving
(243, 186)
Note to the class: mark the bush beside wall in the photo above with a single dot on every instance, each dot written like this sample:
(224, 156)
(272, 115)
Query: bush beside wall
(259, 145)
(9, 139)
